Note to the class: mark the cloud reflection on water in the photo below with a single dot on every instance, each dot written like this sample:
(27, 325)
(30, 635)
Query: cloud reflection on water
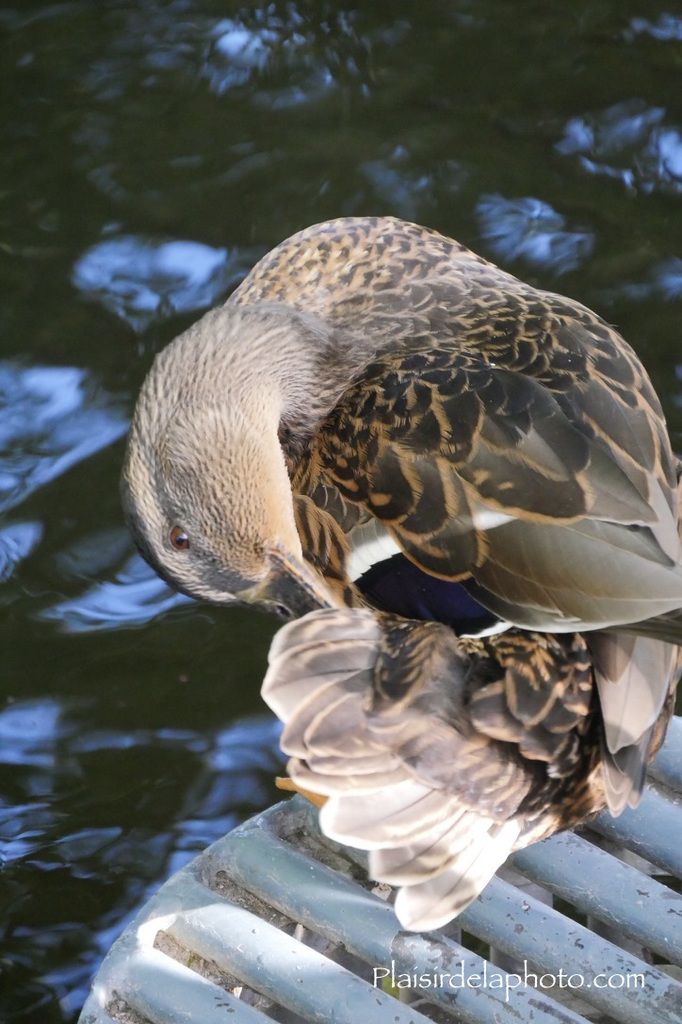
(142, 280)
(663, 281)
(630, 142)
(52, 418)
(134, 597)
(219, 778)
(666, 28)
(531, 230)
(17, 541)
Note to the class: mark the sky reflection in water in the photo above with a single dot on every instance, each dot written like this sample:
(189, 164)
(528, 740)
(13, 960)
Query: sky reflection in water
(17, 541)
(142, 280)
(530, 230)
(134, 597)
(52, 418)
(630, 142)
(226, 773)
(666, 28)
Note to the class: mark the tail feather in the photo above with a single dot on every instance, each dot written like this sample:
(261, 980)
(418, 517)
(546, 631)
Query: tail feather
(624, 774)
(633, 675)
(666, 627)
(407, 808)
(433, 902)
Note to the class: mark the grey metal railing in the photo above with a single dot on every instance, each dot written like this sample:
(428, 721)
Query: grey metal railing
(275, 922)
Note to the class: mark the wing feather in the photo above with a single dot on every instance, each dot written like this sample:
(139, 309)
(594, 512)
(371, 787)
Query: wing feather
(479, 471)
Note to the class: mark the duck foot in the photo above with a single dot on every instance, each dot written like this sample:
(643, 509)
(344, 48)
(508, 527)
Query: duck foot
(290, 786)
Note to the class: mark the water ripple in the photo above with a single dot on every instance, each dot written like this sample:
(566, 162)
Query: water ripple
(663, 281)
(142, 280)
(93, 865)
(17, 541)
(53, 417)
(241, 763)
(134, 597)
(409, 187)
(629, 142)
(29, 732)
(237, 52)
(89, 556)
(532, 230)
(313, 59)
(667, 28)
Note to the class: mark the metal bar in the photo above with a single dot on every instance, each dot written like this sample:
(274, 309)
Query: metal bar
(667, 767)
(342, 911)
(277, 965)
(653, 830)
(529, 930)
(266, 857)
(154, 984)
(167, 992)
(598, 883)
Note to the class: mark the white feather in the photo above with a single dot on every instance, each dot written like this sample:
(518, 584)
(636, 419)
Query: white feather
(497, 627)
(435, 901)
(485, 518)
(369, 543)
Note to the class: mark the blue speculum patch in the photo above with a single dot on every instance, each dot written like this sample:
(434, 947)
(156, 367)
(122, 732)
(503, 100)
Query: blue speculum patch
(397, 585)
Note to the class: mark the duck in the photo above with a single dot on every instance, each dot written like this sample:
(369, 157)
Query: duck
(459, 491)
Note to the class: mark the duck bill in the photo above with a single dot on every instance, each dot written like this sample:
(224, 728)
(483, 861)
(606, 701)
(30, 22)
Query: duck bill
(290, 590)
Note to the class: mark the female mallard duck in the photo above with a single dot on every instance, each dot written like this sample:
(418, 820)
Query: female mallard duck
(382, 426)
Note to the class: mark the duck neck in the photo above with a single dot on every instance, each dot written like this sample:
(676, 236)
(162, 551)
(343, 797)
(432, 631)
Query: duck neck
(287, 369)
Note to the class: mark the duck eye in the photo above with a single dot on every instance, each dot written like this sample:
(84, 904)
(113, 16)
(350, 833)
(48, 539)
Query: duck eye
(179, 539)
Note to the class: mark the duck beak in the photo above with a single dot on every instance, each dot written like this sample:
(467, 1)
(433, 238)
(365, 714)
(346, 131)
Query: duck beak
(290, 590)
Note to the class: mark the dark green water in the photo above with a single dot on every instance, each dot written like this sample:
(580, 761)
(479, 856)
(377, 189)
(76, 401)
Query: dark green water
(150, 153)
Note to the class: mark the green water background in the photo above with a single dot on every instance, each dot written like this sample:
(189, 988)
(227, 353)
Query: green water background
(151, 152)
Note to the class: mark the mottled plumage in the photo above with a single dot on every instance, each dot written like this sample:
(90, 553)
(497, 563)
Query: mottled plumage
(374, 394)
(440, 757)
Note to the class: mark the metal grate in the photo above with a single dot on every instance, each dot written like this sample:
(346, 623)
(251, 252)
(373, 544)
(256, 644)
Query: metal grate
(275, 922)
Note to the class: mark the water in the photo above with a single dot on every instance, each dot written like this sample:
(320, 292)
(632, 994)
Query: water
(151, 153)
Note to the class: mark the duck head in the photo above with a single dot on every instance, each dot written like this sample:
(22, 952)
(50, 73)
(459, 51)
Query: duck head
(205, 486)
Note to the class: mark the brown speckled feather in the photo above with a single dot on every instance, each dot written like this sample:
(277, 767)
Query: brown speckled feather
(485, 396)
